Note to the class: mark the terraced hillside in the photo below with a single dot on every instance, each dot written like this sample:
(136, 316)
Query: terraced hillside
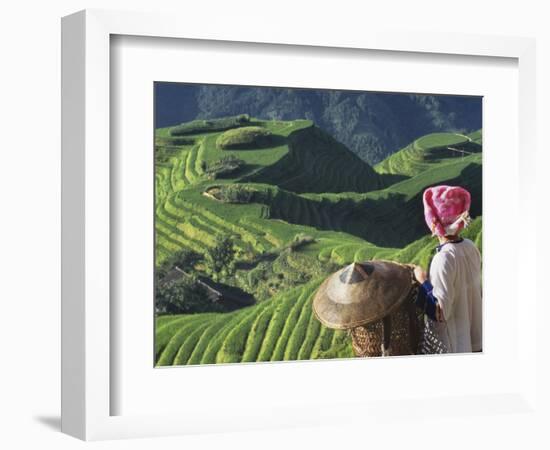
(303, 183)
(421, 154)
(283, 328)
(185, 218)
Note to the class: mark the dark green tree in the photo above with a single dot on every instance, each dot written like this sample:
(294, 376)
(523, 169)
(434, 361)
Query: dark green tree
(221, 257)
(186, 259)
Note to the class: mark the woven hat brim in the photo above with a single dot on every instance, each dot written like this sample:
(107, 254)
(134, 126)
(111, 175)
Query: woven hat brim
(376, 302)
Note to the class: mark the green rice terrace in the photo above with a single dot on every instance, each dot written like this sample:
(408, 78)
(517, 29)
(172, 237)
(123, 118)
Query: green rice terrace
(252, 215)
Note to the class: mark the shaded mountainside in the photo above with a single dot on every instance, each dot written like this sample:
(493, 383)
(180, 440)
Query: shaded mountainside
(388, 218)
(373, 125)
(316, 162)
(306, 187)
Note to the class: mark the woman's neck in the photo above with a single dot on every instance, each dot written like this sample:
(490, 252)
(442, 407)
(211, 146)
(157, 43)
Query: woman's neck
(444, 239)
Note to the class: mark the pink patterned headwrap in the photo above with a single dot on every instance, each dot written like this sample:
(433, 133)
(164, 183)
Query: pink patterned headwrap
(446, 209)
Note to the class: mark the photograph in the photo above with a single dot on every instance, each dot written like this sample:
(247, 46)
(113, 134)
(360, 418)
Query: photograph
(307, 224)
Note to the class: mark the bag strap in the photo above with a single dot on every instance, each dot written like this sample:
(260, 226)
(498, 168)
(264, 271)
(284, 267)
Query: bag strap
(414, 332)
(414, 337)
(386, 327)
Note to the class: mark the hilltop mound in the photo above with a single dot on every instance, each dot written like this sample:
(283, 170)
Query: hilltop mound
(245, 137)
(202, 126)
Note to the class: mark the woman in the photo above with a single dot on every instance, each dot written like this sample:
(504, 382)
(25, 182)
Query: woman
(451, 296)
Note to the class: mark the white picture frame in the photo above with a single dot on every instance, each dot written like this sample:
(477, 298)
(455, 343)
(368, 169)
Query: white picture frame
(87, 325)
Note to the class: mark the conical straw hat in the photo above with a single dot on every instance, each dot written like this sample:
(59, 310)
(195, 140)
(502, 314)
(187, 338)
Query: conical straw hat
(362, 293)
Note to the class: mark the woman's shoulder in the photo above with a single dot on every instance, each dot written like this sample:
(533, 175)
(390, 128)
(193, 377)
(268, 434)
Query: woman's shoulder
(469, 245)
(451, 249)
(468, 242)
(445, 256)
(462, 249)
(472, 248)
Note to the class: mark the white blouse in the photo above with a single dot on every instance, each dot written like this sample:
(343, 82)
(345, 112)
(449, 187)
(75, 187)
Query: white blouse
(455, 274)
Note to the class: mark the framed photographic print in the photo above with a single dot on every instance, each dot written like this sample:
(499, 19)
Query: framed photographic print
(243, 209)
